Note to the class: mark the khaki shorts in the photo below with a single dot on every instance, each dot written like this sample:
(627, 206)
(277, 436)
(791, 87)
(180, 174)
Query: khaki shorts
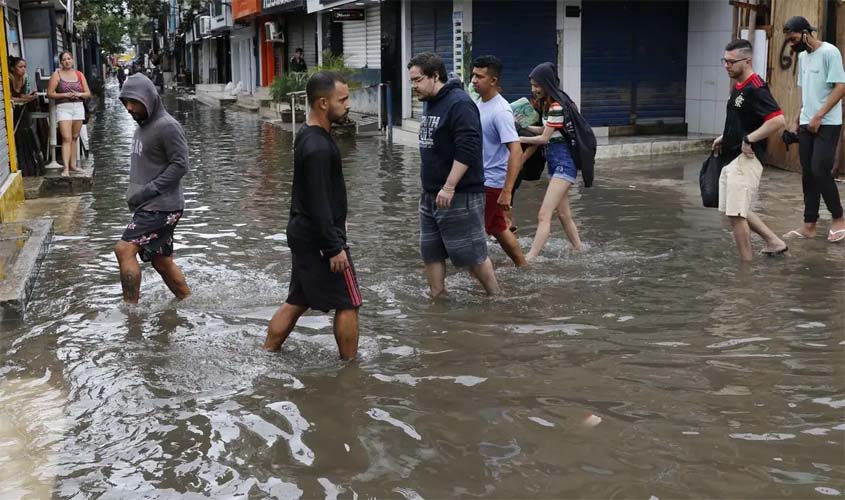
(738, 186)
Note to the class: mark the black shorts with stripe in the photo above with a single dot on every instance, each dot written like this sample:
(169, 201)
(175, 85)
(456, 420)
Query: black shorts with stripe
(314, 285)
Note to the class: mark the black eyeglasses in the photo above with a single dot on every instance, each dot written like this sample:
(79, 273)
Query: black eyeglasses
(731, 62)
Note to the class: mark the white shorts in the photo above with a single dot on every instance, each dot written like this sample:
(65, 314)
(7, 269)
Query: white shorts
(738, 185)
(68, 111)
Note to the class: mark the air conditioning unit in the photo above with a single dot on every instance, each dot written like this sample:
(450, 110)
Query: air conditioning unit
(273, 32)
(205, 25)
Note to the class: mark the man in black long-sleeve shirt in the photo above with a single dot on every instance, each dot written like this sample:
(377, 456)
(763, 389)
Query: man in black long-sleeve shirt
(452, 174)
(322, 275)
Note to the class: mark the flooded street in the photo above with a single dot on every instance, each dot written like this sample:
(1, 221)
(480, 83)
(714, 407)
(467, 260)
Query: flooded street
(710, 380)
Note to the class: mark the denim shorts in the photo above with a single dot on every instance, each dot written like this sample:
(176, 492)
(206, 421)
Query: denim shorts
(561, 164)
(456, 232)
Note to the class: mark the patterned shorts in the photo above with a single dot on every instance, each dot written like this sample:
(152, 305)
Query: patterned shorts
(152, 232)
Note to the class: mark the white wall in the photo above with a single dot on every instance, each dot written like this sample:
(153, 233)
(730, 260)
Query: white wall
(406, 56)
(708, 85)
(569, 48)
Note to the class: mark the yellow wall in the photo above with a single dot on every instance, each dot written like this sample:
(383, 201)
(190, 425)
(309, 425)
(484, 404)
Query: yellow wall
(11, 197)
(11, 192)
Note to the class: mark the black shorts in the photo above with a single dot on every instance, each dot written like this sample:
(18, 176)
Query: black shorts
(152, 232)
(314, 285)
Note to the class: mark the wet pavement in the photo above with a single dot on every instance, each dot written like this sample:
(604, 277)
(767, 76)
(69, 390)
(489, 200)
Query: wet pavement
(709, 379)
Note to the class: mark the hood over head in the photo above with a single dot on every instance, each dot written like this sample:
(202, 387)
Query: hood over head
(545, 74)
(141, 88)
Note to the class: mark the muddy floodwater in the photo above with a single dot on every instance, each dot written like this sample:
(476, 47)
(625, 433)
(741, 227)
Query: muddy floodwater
(704, 379)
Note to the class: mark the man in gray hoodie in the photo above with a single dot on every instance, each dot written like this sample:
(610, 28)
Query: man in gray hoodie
(159, 161)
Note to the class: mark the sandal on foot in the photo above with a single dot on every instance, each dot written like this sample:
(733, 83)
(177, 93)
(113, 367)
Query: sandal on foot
(795, 235)
(773, 253)
(836, 236)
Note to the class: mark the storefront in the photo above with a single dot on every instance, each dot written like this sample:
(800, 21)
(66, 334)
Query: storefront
(14, 43)
(283, 27)
(220, 59)
(529, 23)
(11, 193)
(634, 62)
(431, 31)
(244, 64)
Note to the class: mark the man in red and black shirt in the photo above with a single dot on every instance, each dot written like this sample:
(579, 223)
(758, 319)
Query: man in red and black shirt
(752, 117)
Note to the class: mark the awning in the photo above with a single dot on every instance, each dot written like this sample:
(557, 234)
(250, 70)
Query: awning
(320, 5)
(245, 8)
(30, 4)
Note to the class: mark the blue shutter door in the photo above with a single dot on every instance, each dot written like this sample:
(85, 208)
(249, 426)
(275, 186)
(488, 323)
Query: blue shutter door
(431, 29)
(606, 62)
(520, 33)
(633, 62)
(661, 94)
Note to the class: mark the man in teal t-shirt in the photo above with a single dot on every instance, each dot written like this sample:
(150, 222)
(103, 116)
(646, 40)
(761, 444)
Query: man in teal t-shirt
(822, 81)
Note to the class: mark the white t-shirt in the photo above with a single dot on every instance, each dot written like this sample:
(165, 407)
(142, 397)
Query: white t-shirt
(818, 72)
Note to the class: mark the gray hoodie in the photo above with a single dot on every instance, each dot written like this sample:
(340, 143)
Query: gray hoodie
(159, 153)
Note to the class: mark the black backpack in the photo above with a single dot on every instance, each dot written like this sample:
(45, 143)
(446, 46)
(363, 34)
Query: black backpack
(583, 145)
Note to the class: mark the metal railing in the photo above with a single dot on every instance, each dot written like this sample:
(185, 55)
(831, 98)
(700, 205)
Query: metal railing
(385, 92)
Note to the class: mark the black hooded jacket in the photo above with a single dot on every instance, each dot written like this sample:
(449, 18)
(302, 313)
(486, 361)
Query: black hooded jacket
(450, 129)
(579, 134)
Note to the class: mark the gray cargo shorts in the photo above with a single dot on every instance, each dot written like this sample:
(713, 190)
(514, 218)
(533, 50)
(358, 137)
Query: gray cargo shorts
(456, 232)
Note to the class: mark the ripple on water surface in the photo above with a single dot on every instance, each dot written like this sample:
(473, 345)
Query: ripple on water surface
(595, 374)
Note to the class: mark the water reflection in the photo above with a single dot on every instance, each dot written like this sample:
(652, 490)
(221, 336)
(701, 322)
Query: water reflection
(709, 381)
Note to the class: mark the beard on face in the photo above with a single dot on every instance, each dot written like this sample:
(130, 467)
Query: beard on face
(338, 118)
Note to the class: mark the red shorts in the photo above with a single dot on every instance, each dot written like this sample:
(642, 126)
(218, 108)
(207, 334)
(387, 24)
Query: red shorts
(494, 216)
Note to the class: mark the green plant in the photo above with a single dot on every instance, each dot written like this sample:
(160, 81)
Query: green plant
(336, 63)
(295, 82)
(287, 83)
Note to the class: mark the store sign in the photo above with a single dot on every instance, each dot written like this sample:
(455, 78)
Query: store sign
(270, 4)
(244, 8)
(340, 15)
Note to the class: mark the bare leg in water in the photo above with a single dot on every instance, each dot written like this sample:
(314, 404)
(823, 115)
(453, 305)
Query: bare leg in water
(281, 324)
(284, 320)
(556, 198)
(172, 276)
(130, 270)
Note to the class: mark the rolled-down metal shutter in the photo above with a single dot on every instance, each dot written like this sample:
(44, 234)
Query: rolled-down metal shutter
(621, 43)
(302, 33)
(661, 95)
(374, 37)
(355, 43)
(528, 22)
(606, 62)
(431, 31)
(5, 167)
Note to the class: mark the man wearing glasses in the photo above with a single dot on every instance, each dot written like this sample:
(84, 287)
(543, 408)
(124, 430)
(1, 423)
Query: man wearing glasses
(452, 173)
(752, 117)
(822, 81)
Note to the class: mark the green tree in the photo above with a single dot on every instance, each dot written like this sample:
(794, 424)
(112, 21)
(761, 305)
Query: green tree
(119, 21)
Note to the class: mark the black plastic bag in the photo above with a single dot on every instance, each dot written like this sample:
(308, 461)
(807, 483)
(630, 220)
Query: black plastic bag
(708, 181)
(532, 170)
